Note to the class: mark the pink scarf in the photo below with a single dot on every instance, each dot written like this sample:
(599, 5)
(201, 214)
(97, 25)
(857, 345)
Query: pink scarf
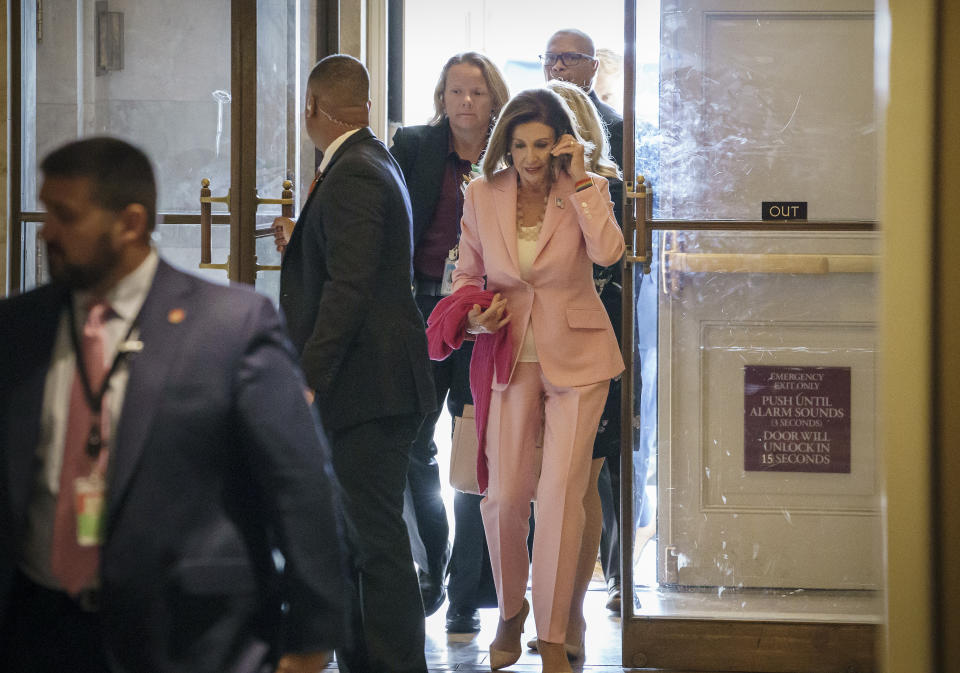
(446, 330)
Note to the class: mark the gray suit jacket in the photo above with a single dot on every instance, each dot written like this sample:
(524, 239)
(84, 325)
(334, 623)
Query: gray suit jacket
(217, 462)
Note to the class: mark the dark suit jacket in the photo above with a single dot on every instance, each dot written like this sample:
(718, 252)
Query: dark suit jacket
(217, 461)
(422, 152)
(345, 289)
(614, 123)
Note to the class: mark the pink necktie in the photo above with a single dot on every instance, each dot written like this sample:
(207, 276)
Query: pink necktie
(74, 565)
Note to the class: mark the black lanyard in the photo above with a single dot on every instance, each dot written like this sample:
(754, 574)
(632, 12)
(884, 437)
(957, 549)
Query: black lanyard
(94, 400)
(461, 187)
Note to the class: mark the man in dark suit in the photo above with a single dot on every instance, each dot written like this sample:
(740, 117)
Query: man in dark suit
(165, 494)
(438, 159)
(571, 56)
(345, 290)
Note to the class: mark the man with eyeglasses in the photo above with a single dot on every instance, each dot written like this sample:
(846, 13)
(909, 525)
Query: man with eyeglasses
(570, 55)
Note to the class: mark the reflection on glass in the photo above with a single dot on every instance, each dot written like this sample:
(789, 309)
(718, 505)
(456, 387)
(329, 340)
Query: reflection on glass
(160, 101)
(221, 97)
(284, 45)
(33, 261)
(769, 484)
(764, 106)
(172, 98)
(754, 427)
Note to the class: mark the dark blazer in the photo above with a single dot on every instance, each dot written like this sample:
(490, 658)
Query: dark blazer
(614, 123)
(345, 289)
(217, 461)
(422, 152)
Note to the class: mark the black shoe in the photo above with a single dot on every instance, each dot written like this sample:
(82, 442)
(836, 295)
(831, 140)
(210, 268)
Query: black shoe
(432, 592)
(613, 594)
(463, 620)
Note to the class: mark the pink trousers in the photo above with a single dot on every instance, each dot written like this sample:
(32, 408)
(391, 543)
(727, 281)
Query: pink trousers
(570, 416)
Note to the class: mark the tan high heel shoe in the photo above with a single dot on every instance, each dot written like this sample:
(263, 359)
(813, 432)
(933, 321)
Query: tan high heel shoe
(575, 650)
(506, 647)
(554, 657)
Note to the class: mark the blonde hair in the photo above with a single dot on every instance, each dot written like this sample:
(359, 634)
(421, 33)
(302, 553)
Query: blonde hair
(591, 127)
(532, 105)
(499, 93)
(609, 83)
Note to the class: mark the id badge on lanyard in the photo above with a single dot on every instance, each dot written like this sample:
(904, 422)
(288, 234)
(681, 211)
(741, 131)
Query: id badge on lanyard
(446, 286)
(90, 498)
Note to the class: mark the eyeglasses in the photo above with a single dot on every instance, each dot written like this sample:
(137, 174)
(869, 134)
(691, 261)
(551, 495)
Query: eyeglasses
(568, 58)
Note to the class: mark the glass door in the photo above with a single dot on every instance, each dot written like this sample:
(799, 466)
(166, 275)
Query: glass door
(754, 322)
(211, 91)
(748, 544)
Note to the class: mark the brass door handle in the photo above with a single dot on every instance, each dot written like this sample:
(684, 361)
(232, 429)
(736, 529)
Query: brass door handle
(687, 262)
(286, 199)
(286, 203)
(638, 237)
(224, 267)
(265, 267)
(639, 193)
(206, 223)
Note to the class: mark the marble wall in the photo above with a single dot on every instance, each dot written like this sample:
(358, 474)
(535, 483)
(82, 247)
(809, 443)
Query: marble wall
(176, 56)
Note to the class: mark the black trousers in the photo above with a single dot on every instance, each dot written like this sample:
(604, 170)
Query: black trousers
(47, 632)
(432, 532)
(608, 446)
(471, 577)
(370, 461)
(609, 485)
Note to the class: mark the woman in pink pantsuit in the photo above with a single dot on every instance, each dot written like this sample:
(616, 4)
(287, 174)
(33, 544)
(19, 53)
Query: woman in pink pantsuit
(534, 225)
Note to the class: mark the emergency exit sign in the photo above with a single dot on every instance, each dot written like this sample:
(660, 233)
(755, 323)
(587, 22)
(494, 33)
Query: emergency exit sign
(784, 210)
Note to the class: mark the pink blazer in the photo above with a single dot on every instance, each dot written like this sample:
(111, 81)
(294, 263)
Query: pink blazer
(576, 345)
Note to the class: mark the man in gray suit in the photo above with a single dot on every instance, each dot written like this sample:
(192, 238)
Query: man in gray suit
(157, 456)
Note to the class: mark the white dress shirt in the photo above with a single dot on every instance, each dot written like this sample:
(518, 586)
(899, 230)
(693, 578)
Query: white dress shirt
(332, 149)
(125, 299)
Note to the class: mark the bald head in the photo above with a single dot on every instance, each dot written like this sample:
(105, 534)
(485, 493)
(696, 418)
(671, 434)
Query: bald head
(340, 80)
(577, 39)
(570, 56)
(338, 98)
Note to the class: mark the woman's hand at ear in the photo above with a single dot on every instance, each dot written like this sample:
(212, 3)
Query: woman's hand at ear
(568, 145)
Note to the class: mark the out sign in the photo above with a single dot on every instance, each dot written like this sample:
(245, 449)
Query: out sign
(784, 210)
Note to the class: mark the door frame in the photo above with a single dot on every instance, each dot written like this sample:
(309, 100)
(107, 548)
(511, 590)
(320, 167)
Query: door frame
(14, 155)
(243, 141)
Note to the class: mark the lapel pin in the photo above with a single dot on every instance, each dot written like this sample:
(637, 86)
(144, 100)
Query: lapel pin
(559, 202)
(176, 316)
(131, 346)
